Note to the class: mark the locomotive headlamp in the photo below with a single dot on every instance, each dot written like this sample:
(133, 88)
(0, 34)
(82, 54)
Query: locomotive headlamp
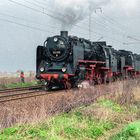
(42, 69)
(55, 39)
(64, 69)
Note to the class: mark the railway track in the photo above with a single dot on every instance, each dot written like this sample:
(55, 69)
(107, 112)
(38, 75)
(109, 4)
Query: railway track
(12, 94)
(20, 93)
(19, 89)
(25, 92)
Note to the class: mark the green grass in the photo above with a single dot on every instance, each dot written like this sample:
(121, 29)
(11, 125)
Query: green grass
(16, 85)
(110, 104)
(130, 132)
(75, 125)
(61, 127)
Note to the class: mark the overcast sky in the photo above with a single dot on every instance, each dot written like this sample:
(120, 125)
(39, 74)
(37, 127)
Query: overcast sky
(24, 25)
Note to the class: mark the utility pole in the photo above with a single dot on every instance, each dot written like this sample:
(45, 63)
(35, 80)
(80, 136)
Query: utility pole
(89, 25)
(90, 21)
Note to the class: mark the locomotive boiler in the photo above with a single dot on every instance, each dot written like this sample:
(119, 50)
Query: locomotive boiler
(65, 61)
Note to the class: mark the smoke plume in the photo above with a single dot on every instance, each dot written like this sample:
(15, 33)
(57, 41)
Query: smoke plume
(73, 11)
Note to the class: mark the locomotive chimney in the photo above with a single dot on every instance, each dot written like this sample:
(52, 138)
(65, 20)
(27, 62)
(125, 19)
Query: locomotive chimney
(64, 34)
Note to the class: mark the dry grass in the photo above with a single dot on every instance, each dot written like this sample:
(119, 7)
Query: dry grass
(5, 81)
(39, 108)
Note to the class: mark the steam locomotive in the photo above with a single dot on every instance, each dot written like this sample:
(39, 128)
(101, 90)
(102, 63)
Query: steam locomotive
(66, 61)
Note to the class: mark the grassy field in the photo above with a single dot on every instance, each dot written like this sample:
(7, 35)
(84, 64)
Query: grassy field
(16, 82)
(129, 132)
(113, 117)
(16, 85)
(97, 121)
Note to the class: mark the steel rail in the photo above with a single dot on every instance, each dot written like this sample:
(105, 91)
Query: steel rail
(23, 95)
(19, 89)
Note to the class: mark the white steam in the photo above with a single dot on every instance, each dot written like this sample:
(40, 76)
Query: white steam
(73, 11)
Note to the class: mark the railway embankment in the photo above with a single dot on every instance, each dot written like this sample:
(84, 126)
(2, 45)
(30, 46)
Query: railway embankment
(102, 112)
(102, 120)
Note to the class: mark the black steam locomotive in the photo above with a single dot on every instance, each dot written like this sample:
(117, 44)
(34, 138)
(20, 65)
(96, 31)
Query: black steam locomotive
(65, 61)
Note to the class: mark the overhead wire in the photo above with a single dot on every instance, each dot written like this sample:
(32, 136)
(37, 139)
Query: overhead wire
(44, 3)
(117, 24)
(28, 26)
(60, 13)
(111, 20)
(27, 21)
(34, 9)
(42, 12)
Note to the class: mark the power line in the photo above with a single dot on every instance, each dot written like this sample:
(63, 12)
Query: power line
(40, 2)
(119, 30)
(42, 12)
(22, 19)
(105, 27)
(37, 5)
(36, 10)
(51, 11)
(61, 14)
(131, 43)
(28, 26)
(25, 20)
(123, 27)
(133, 38)
(47, 9)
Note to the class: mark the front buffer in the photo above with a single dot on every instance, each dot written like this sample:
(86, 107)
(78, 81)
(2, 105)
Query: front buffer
(56, 80)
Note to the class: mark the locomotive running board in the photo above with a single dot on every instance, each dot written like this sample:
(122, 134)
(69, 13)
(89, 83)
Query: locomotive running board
(95, 62)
